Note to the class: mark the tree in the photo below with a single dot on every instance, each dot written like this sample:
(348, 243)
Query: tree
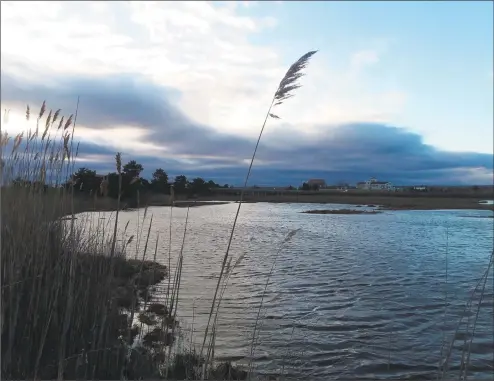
(159, 183)
(212, 184)
(306, 187)
(86, 180)
(131, 180)
(112, 188)
(180, 184)
(199, 186)
(132, 169)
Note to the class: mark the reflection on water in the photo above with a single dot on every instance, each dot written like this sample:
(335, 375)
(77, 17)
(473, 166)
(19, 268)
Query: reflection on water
(352, 296)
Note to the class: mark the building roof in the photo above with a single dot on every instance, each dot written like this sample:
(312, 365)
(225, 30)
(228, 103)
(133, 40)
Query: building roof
(380, 182)
(316, 181)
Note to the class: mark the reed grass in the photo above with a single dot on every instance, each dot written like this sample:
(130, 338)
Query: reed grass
(69, 293)
(288, 84)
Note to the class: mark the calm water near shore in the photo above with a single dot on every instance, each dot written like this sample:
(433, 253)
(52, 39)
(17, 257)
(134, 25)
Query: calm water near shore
(351, 296)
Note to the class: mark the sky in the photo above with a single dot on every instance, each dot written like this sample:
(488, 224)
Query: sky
(402, 91)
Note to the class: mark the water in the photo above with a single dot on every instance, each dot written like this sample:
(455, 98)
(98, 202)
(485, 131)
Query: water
(351, 296)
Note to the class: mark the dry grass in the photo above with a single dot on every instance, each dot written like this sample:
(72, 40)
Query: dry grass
(68, 291)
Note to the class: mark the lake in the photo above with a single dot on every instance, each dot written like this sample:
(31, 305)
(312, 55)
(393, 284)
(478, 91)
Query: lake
(350, 297)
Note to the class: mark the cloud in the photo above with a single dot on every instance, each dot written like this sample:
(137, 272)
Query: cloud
(181, 85)
(204, 50)
(112, 107)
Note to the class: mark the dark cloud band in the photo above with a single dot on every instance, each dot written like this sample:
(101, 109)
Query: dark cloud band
(350, 152)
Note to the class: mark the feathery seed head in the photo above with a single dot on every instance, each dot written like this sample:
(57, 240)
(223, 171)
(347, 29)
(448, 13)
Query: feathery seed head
(55, 116)
(60, 124)
(48, 120)
(227, 270)
(28, 112)
(17, 141)
(239, 260)
(290, 235)
(5, 139)
(68, 122)
(47, 126)
(289, 82)
(118, 161)
(42, 110)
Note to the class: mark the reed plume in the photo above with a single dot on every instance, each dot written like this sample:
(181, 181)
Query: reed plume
(42, 110)
(60, 124)
(55, 116)
(285, 90)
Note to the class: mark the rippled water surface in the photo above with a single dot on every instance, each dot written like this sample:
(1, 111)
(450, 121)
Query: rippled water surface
(351, 296)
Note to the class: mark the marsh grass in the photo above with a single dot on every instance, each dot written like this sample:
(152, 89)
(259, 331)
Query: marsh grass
(73, 304)
(69, 294)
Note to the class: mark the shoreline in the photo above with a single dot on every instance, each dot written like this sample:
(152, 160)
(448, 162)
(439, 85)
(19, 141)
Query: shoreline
(381, 203)
(389, 203)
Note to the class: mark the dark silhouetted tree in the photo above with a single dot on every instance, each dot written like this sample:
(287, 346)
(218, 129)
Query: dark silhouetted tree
(180, 184)
(199, 186)
(86, 180)
(132, 169)
(159, 182)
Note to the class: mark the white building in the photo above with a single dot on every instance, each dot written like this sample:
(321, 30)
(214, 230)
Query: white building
(373, 184)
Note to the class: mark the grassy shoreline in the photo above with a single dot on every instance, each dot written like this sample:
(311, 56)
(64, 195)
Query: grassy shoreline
(384, 202)
(391, 203)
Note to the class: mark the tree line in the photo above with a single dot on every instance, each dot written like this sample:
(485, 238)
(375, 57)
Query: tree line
(87, 181)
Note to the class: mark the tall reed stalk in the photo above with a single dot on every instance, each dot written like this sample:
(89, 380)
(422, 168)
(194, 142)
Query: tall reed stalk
(285, 90)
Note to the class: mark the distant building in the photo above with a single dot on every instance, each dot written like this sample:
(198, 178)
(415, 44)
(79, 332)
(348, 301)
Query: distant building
(317, 182)
(420, 188)
(373, 184)
(361, 185)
